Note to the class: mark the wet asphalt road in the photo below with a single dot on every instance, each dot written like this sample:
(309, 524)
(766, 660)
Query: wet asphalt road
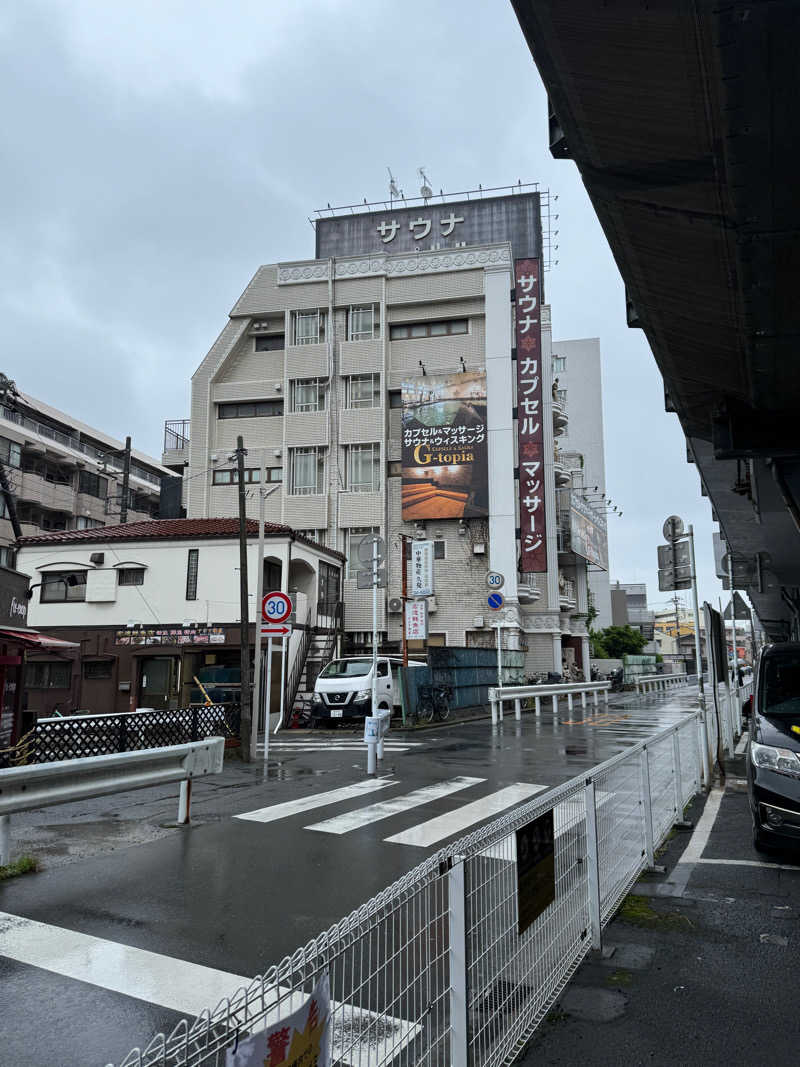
(236, 895)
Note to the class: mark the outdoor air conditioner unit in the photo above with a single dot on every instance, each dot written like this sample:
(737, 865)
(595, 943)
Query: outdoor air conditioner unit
(478, 622)
(395, 605)
(479, 549)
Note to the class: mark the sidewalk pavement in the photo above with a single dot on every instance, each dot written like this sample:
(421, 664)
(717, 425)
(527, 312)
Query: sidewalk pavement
(705, 967)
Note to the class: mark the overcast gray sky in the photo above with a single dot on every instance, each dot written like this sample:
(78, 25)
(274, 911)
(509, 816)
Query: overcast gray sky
(155, 152)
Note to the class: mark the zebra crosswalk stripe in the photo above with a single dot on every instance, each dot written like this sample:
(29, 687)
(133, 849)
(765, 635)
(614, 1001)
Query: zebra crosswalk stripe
(383, 809)
(315, 800)
(188, 988)
(442, 826)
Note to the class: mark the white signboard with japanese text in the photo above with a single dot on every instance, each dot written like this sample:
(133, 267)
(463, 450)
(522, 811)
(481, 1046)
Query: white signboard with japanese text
(299, 1040)
(416, 620)
(421, 568)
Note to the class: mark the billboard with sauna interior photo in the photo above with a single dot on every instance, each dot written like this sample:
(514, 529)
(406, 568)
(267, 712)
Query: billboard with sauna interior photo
(445, 450)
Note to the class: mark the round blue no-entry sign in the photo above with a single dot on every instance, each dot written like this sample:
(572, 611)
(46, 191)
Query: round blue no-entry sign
(495, 601)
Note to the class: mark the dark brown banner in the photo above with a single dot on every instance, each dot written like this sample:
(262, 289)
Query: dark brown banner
(530, 415)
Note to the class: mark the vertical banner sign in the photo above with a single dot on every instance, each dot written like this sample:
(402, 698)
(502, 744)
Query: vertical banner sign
(416, 620)
(530, 416)
(421, 568)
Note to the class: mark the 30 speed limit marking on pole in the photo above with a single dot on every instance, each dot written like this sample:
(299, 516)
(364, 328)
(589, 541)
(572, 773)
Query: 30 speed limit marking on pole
(495, 580)
(276, 607)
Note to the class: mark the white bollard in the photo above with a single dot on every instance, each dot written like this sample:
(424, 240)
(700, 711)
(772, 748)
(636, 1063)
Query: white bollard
(605, 694)
(493, 706)
(538, 702)
(569, 700)
(185, 802)
(583, 698)
(380, 748)
(517, 708)
(555, 704)
(595, 698)
(5, 840)
(372, 760)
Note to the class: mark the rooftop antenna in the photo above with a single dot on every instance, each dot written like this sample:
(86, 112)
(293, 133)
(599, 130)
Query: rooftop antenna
(425, 189)
(394, 192)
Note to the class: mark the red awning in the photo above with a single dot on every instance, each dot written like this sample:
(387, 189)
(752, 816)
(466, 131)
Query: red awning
(33, 639)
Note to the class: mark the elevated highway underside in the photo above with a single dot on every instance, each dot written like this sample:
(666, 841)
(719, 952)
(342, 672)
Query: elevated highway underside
(681, 120)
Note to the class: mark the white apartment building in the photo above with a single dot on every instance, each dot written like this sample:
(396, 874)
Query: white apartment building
(309, 370)
(65, 475)
(577, 372)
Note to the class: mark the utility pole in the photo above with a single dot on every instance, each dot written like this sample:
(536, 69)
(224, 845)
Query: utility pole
(676, 601)
(126, 478)
(244, 606)
(11, 506)
(404, 590)
(697, 651)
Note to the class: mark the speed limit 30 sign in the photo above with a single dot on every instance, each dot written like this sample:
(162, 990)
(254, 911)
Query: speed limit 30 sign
(276, 607)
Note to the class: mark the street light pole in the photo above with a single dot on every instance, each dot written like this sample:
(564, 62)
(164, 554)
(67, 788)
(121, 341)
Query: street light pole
(244, 608)
(697, 652)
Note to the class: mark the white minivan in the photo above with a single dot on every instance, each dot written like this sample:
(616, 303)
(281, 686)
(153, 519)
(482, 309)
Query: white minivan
(343, 689)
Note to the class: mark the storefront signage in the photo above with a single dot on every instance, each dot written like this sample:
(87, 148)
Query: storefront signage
(530, 415)
(13, 598)
(588, 533)
(421, 568)
(172, 635)
(416, 620)
(445, 449)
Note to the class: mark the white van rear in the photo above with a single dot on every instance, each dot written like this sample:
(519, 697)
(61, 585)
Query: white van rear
(343, 689)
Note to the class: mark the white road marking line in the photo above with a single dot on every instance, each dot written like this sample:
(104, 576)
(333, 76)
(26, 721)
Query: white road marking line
(752, 863)
(702, 832)
(353, 820)
(316, 800)
(333, 748)
(569, 813)
(742, 745)
(356, 742)
(187, 988)
(453, 822)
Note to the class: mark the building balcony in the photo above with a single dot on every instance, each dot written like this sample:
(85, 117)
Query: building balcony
(560, 418)
(561, 471)
(528, 590)
(567, 597)
(53, 495)
(175, 454)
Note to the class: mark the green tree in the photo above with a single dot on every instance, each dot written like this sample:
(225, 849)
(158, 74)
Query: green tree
(599, 650)
(619, 640)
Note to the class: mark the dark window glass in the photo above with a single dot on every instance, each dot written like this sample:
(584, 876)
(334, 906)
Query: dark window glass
(438, 550)
(131, 576)
(395, 398)
(191, 573)
(428, 329)
(781, 686)
(274, 343)
(251, 409)
(48, 674)
(63, 586)
(92, 484)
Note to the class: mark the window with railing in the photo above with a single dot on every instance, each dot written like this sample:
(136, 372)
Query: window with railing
(364, 468)
(308, 327)
(176, 434)
(363, 391)
(308, 394)
(307, 466)
(63, 586)
(363, 322)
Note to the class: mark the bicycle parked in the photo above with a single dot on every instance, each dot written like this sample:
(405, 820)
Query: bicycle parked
(433, 701)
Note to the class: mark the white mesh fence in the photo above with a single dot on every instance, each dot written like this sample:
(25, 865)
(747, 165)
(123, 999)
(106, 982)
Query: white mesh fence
(438, 969)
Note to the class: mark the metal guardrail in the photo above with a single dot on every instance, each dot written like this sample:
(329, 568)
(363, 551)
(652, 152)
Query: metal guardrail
(42, 785)
(653, 683)
(433, 970)
(75, 736)
(518, 693)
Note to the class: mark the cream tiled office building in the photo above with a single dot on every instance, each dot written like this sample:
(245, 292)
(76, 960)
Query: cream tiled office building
(309, 368)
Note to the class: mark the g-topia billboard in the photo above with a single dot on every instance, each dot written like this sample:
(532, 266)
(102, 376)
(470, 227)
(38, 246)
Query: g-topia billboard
(445, 451)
